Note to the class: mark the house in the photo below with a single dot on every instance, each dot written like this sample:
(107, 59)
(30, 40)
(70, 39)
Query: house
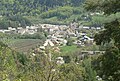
(55, 41)
(19, 28)
(2, 31)
(31, 29)
(7, 31)
(56, 49)
(30, 32)
(86, 27)
(13, 30)
(10, 30)
(21, 31)
(98, 28)
(62, 41)
(59, 60)
(34, 28)
(42, 47)
(48, 42)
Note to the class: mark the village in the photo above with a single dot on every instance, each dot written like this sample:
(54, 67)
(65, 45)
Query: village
(63, 43)
(58, 36)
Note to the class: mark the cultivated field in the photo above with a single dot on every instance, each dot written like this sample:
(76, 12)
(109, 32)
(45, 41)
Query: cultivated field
(22, 45)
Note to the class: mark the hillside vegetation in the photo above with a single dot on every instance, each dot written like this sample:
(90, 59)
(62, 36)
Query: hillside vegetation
(33, 7)
(16, 13)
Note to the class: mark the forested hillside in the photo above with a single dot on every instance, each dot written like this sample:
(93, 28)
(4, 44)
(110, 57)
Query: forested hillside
(32, 7)
(14, 13)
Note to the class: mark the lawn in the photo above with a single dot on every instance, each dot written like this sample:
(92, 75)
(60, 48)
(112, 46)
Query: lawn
(65, 50)
(69, 49)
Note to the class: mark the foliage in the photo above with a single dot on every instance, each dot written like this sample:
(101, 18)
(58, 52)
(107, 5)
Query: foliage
(72, 72)
(8, 69)
(69, 49)
(19, 66)
(4, 23)
(19, 20)
(90, 73)
(62, 12)
(38, 11)
(41, 68)
(49, 11)
(34, 7)
(109, 61)
(114, 61)
(107, 65)
(33, 36)
(14, 21)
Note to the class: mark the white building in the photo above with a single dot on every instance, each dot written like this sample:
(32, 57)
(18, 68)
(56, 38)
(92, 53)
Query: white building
(60, 60)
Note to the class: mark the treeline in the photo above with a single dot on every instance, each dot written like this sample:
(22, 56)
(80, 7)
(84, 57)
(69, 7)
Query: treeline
(14, 21)
(62, 12)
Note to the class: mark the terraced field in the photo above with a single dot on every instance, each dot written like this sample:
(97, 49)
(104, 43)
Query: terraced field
(22, 45)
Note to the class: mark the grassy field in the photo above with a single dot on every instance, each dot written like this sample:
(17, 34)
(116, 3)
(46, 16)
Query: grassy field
(69, 49)
(22, 45)
(72, 49)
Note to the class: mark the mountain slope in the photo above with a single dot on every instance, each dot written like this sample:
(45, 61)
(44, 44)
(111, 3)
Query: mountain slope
(33, 7)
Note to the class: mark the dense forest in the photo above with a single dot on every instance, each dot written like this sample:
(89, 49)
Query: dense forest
(33, 7)
(16, 13)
